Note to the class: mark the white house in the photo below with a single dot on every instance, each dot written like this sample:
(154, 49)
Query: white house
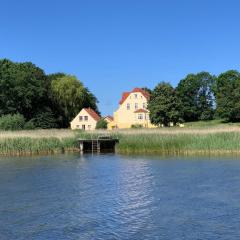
(86, 119)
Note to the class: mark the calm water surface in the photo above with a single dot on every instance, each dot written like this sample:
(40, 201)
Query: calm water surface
(116, 197)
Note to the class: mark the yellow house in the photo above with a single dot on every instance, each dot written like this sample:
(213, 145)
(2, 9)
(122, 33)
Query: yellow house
(86, 119)
(132, 110)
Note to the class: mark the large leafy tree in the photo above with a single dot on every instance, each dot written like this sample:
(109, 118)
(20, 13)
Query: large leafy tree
(70, 96)
(164, 105)
(227, 93)
(22, 88)
(197, 97)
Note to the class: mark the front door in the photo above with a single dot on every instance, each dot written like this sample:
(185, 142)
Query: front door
(83, 127)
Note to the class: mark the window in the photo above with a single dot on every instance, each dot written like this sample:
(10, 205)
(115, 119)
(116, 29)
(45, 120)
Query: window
(140, 116)
(86, 118)
(144, 105)
(89, 127)
(77, 126)
(135, 95)
(80, 118)
(136, 106)
(128, 106)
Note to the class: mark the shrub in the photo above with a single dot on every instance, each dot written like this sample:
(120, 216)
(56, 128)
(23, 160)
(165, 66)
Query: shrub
(12, 122)
(136, 126)
(44, 120)
(101, 124)
(29, 125)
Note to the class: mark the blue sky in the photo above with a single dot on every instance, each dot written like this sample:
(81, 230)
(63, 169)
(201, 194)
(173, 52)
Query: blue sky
(115, 45)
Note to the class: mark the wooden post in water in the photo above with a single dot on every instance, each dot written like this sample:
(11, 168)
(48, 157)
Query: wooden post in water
(81, 147)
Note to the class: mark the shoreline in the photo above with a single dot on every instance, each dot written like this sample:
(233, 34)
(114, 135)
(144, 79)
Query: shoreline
(155, 153)
(169, 142)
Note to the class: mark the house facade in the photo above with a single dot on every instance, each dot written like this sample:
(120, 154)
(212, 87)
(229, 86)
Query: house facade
(132, 110)
(86, 119)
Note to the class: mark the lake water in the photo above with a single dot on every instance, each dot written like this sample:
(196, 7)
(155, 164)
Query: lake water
(119, 197)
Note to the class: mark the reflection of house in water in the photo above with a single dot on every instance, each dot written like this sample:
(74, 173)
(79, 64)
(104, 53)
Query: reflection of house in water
(135, 192)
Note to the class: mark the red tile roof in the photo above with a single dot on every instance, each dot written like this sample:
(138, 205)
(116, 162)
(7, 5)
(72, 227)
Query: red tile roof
(92, 113)
(109, 117)
(126, 94)
(141, 110)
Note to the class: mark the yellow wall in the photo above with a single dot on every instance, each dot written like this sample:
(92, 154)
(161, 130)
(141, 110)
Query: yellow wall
(125, 118)
(90, 123)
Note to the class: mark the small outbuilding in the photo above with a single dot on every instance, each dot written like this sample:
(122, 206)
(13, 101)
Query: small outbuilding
(86, 119)
(108, 119)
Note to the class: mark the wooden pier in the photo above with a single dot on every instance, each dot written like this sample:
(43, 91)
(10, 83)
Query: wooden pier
(98, 145)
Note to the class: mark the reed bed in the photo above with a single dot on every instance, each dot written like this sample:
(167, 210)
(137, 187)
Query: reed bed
(29, 146)
(41, 133)
(173, 141)
(181, 144)
(176, 142)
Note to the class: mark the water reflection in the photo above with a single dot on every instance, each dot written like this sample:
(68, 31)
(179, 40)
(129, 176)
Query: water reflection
(115, 197)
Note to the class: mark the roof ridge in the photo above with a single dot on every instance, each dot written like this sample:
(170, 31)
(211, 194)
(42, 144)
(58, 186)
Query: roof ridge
(136, 89)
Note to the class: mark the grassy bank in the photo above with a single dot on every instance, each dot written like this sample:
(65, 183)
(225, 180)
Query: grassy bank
(30, 146)
(175, 141)
(37, 142)
(208, 140)
(181, 144)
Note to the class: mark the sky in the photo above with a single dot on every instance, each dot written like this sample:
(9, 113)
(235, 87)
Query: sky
(113, 46)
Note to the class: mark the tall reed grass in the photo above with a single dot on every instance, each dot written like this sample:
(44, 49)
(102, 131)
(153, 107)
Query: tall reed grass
(181, 144)
(176, 142)
(28, 146)
(172, 141)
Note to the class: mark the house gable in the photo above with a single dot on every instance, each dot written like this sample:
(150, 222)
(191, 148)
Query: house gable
(127, 95)
(86, 119)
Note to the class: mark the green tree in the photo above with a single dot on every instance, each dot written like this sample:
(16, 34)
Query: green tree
(12, 122)
(70, 96)
(148, 90)
(197, 96)
(44, 119)
(101, 124)
(22, 88)
(227, 94)
(164, 106)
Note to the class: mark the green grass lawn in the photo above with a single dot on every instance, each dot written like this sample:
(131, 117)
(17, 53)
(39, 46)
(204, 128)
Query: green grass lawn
(210, 123)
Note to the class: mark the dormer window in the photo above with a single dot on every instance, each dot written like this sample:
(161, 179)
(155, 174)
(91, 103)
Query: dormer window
(128, 106)
(135, 95)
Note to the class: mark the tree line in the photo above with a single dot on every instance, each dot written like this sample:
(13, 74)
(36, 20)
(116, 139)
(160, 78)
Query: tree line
(200, 96)
(30, 98)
